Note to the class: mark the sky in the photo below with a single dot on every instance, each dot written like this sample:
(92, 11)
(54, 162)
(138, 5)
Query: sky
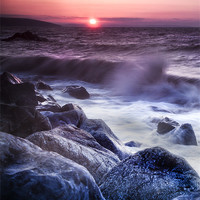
(107, 12)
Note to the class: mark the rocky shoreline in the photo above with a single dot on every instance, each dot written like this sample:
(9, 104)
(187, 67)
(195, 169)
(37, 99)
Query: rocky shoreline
(55, 152)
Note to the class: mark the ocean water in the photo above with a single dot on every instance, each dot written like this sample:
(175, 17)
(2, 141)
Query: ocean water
(134, 76)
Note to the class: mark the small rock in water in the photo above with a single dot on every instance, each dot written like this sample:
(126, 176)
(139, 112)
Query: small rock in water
(166, 125)
(133, 144)
(153, 173)
(25, 36)
(43, 86)
(76, 91)
(49, 106)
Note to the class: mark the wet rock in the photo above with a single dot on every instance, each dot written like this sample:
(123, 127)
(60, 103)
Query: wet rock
(49, 106)
(104, 136)
(50, 98)
(185, 135)
(76, 91)
(22, 121)
(25, 36)
(79, 146)
(13, 90)
(28, 172)
(166, 125)
(153, 173)
(133, 144)
(40, 85)
(74, 116)
(190, 196)
(40, 98)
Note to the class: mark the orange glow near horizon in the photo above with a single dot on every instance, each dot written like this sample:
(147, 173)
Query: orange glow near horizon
(77, 11)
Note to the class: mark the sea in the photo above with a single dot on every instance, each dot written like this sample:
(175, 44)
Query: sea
(135, 76)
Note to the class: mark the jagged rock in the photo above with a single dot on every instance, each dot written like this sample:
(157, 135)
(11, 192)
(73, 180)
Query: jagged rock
(79, 146)
(104, 136)
(22, 121)
(40, 85)
(76, 91)
(40, 98)
(185, 135)
(133, 144)
(74, 116)
(166, 125)
(50, 98)
(13, 90)
(49, 106)
(28, 172)
(153, 173)
(25, 36)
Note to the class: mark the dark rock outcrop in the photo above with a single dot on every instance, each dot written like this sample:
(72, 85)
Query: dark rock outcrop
(153, 173)
(49, 106)
(185, 135)
(166, 125)
(13, 90)
(104, 136)
(22, 121)
(79, 146)
(25, 36)
(40, 85)
(28, 172)
(76, 91)
(74, 116)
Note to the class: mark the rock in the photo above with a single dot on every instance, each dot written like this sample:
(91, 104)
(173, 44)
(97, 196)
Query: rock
(13, 90)
(104, 136)
(133, 144)
(190, 196)
(40, 98)
(28, 172)
(22, 121)
(40, 85)
(25, 36)
(50, 98)
(153, 173)
(76, 91)
(70, 106)
(49, 106)
(185, 135)
(166, 125)
(79, 146)
(74, 116)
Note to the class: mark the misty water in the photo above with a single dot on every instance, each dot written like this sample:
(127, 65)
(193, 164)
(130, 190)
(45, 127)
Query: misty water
(134, 76)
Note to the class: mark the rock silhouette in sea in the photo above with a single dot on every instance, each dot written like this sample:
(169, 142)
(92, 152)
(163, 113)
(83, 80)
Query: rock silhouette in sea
(28, 172)
(40, 85)
(153, 173)
(22, 121)
(104, 136)
(13, 90)
(79, 146)
(25, 36)
(76, 91)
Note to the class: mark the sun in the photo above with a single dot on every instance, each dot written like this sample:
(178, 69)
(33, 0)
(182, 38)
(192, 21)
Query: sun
(93, 21)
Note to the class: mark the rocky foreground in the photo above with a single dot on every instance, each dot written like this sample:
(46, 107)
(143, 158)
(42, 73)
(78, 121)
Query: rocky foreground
(50, 151)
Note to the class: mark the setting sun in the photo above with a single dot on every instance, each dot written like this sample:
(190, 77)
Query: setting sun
(93, 21)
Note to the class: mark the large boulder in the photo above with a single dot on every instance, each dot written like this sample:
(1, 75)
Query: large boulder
(22, 121)
(25, 36)
(70, 114)
(79, 146)
(13, 90)
(104, 136)
(28, 172)
(76, 91)
(153, 173)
